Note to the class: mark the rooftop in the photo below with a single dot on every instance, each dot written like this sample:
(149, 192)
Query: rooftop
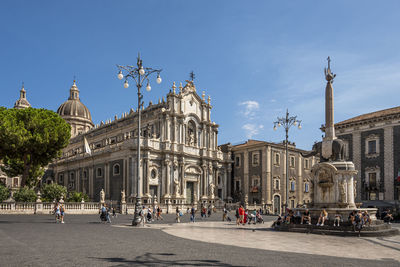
(372, 115)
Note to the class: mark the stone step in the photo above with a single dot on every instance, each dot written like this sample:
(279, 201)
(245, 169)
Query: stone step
(327, 231)
(372, 227)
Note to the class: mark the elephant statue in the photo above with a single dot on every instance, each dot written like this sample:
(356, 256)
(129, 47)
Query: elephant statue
(338, 151)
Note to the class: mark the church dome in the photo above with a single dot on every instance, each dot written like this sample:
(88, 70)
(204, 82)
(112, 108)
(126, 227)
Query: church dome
(75, 112)
(73, 107)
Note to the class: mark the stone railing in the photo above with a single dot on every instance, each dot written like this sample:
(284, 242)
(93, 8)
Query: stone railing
(48, 207)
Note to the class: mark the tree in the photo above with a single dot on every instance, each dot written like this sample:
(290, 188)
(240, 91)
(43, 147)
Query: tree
(4, 193)
(25, 194)
(29, 140)
(53, 191)
(74, 196)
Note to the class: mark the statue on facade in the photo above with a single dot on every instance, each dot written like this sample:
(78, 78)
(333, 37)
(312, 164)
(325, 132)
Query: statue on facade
(212, 187)
(177, 191)
(102, 196)
(123, 200)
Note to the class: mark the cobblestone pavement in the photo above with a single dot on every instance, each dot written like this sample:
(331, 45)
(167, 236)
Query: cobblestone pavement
(36, 240)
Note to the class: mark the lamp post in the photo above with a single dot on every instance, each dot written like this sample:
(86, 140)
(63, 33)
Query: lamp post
(287, 122)
(140, 75)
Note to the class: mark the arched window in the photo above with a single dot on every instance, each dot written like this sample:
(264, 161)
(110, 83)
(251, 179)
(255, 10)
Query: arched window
(116, 169)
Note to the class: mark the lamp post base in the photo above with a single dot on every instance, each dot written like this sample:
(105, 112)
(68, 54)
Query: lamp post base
(138, 208)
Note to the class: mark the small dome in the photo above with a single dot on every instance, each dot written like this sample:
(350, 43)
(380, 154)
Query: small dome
(73, 108)
(22, 102)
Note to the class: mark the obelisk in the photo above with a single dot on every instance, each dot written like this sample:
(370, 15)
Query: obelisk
(329, 122)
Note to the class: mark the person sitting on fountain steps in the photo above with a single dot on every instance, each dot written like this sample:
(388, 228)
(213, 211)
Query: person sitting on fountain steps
(306, 217)
(322, 218)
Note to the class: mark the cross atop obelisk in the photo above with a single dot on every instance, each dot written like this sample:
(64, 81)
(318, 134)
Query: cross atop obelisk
(329, 110)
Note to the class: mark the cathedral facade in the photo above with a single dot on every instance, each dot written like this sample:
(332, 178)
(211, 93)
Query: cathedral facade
(181, 162)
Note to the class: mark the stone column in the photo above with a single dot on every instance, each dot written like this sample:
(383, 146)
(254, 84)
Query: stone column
(204, 180)
(267, 161)
(182, 175)
(357, 163)
(168, 126)
(229, 181)
(146, 179)
(125, 175)
(168, 178)
(388, 163)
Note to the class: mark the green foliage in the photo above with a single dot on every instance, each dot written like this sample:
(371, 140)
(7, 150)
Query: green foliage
(4, 193)
(53, 191)
(29, 140)
(25, 194)
(74, 196)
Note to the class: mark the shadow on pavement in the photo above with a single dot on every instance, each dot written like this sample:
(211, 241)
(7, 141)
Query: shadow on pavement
(152, 259)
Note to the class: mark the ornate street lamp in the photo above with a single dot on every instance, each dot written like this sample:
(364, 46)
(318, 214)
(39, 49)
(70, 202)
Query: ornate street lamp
(287, 123)
(140, 75)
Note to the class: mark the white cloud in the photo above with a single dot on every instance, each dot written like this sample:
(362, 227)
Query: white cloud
(250, 108)
(252, 129)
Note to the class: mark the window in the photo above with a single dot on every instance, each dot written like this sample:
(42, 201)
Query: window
(256, 158)
(61, 178)
(237, 161)
(292, 186)
(276, 184)
(219, 179)
(372, 179)
(306, 187)
(113, 140)
(306, 163)
(116, 169)
(277, 159)
(72, 177)
(84, 174)
(372, 147)
(292, 162)
(15, 183)
(99, 172)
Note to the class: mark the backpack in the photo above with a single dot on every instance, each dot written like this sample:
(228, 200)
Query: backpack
(62, 209)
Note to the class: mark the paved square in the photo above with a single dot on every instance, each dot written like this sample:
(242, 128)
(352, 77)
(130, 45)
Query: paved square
(35, 240)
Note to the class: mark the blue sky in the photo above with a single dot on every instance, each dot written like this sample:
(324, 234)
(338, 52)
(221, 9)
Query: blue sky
(254, 58)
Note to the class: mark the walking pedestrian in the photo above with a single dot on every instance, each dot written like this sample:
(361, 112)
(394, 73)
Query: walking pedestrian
(192, 214)
(177, 215)
(62, 211)
(224, 213)
(241, 214)
(237, 216)
(57, 212)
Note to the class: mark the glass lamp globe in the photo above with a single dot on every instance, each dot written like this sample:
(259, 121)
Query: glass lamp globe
(295, 123)
(141, 71)
(159, 80)
(126, 84)
(299, 126)
(279, 124)
(274, 127)
(148, 87)
(120, 75)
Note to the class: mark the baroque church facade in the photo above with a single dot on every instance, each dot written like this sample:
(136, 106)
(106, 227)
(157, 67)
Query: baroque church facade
(181, 162)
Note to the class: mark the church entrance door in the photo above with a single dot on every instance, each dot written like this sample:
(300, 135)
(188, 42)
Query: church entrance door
(189, 192)
(277, 204)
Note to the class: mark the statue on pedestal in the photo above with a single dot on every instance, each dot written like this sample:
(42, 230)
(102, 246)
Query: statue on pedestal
(123, 200)
(102, 196)
(212, 187)
(177, 185)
